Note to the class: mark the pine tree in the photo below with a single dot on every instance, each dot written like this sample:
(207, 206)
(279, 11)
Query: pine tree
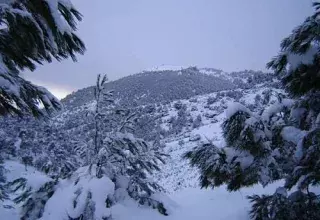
(127, 160)
(33, 203)
(280, 142)
(101, 163)
(103, 99)
(49, 28)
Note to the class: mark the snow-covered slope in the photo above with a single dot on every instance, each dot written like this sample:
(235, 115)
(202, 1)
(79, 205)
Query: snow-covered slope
(188, 203)
(176, 173)
(176, 176)
(167, 83)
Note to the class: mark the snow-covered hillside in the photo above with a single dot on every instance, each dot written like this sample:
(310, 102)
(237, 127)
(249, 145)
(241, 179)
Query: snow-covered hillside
(167, 83)
(176, 173)
(179, 180)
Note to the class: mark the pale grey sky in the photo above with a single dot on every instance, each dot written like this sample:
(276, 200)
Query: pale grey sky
(124, 37)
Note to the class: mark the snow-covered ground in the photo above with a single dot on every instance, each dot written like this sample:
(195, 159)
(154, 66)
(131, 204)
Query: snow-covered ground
(189, 203)
(15, 170)
(194, 203)
(177, 177)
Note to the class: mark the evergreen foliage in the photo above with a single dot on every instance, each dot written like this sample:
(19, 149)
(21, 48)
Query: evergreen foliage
(298, 205)
(34, 205)
(279, 142)
(49, 28)
(113, 156)
(120, 153)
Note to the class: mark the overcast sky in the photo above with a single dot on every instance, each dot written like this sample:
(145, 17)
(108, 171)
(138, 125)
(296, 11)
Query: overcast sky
(125, 36)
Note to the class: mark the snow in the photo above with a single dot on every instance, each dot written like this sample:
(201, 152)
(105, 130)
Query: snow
(292, 134)
(17, 144)
(3, 66)
(287, 102)
(299, 151)
(189, 203)
(297, 113)
(193, 203)
(47, 97)
(62, 24)
(169, 204)
(122, 182)
(166, 67)
(276, 108)
(67, 3)
(60, 205)
(245, 159)
(282, 191)
(15, 170)
(8, 85)
(204, 204)
(210, 132)
(294, 60)
(318, 120)
(236, 107)
(194, 137)
(184, 199)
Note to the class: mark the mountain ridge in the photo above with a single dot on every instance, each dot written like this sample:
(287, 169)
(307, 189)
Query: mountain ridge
(156, 86)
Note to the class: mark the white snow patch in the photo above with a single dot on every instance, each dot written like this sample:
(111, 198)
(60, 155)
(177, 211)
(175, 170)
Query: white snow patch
(236, 107)
(166, 67)
(60, 205)
(61, 23)
(15, 170)
(276, 108)
(295, 60)
(292, 134)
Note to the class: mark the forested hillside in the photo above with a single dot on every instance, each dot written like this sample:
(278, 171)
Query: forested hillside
(161, 86)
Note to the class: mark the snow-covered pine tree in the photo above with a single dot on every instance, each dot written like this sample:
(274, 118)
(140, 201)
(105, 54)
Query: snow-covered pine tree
(103, 100)
(282, 142)
(128, 161)
(49, 28)
(246, 159)
(118, 169)
(59, 158)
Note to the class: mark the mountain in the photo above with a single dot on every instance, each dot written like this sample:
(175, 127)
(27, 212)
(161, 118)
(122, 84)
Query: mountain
(165, 85)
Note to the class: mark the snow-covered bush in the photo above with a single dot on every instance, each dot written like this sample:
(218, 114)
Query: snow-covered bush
(236, 95)
(178, 124)
(81, 196)
(178, 105)
(194, 108)
(132, 158)
(246, 159)
(298, 205)
(197, 122)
